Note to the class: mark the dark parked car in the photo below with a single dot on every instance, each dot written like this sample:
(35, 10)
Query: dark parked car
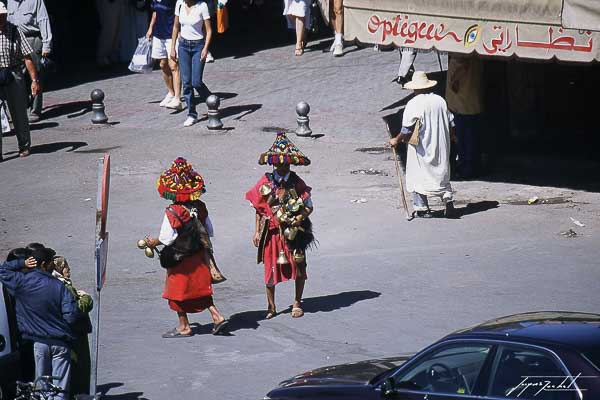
(537, 356)
(9, 354)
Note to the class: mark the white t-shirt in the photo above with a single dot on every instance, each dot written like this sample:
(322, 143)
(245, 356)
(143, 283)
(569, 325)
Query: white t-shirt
(192, 22)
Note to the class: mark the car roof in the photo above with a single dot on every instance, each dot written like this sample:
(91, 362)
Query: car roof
(574, 329)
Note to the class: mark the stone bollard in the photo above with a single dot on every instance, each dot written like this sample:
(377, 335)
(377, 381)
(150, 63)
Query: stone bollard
(212, 103)
(98, 115)
(302, 109)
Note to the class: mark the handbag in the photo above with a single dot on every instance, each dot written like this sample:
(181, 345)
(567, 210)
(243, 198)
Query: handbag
(414, 138)
(222, 19)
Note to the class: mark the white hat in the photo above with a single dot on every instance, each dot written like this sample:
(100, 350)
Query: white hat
(420, 81)
(3, 8)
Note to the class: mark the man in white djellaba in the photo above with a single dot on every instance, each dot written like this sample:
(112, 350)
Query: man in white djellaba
(427, 127)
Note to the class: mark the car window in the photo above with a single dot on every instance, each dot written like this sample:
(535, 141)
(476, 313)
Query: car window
(529, 374)
(451, 369)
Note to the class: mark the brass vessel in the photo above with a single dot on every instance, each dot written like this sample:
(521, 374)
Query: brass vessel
(290, 233)
(282, 259)
(299, 256)
(265, 189)
(141, 244)
(149, 252)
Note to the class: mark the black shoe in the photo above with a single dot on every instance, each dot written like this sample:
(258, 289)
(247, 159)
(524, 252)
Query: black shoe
(400, 80)
(450, 211)
(423, 214)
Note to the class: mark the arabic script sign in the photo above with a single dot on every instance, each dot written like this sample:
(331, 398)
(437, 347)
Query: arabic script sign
(465, 36)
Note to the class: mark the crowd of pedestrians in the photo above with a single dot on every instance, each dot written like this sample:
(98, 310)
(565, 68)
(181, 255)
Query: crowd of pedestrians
(52, 316)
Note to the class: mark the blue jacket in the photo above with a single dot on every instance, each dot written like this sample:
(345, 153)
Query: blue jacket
(45, 308)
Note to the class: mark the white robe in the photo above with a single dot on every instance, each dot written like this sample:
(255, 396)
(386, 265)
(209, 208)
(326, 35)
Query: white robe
(428, 163)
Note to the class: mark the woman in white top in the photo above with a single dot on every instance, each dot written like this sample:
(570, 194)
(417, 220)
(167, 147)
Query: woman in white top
(190, 17)
(298, 17)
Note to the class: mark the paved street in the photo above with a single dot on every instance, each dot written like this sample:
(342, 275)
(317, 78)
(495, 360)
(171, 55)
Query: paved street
(378, 285)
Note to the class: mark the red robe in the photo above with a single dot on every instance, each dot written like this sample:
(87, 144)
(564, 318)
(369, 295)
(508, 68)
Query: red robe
(275, 273)
(188, 284)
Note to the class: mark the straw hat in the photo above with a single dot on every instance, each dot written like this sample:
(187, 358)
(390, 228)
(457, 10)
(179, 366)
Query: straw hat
(180, 182)
(420, 81)
(283, 151)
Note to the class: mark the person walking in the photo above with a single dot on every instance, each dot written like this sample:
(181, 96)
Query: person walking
(428, 126)
(31, 17)
(188, 287)
(14, 50)
(297, 13)
(405, 68)
(160, 32)
(46, 312)
(283, 230)
(464, 94)
(191, 20)
(337, 23)
(111, 14)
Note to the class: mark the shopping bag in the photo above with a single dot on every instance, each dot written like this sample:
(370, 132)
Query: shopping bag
(4, 119)
(141, 62)
(222, 18)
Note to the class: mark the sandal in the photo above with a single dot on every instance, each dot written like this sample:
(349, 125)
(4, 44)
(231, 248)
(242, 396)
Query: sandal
(297, 312)
(174, 333)
(270, 313)
(219, 327)
(299, 51)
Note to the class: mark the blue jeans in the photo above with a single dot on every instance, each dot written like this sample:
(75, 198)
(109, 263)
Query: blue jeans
(467, 131)
(54, 361)
(192, 70)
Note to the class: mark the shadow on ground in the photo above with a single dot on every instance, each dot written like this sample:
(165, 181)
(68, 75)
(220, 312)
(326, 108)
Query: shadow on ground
(105, 389)
(310, 305)
(71, 110)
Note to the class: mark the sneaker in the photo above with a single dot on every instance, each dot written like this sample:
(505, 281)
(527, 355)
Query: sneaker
(190, 121)
(338, 50)
(168, 98)
(175, 104)
(210, 58)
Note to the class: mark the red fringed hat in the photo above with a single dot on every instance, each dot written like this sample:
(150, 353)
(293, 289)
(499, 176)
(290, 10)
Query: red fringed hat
(283, 151)
(180, 183)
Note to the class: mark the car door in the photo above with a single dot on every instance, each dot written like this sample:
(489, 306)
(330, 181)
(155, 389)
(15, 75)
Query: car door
(523, 372)
(447, 372)
(9, 356)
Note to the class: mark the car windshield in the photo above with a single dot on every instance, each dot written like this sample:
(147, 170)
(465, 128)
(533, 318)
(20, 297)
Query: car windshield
(593, 357)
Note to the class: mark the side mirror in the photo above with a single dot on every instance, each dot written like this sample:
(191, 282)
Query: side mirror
(387, 387)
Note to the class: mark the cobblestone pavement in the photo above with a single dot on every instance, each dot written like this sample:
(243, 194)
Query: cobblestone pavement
(378, 285)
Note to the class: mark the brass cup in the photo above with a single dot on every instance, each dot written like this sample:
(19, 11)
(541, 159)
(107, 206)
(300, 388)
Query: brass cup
(149, 252)
(265, 189)
(141, 244)
(299, 256)
(282, 258)
(290, 233)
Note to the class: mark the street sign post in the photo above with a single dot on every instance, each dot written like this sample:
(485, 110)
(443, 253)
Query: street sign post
(100, 256)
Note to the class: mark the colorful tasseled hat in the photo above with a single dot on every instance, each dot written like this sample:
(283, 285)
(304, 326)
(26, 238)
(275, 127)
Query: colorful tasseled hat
(180, 183)
(283, 151)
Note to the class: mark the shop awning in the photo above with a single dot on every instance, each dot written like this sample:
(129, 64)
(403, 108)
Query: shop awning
(568, 30)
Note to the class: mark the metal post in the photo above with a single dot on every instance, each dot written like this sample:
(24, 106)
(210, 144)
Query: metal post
(302, 110)
(98, 115)
(214, 121)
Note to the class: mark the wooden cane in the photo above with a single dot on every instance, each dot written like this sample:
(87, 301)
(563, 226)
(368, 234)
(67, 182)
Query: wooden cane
(400, 180)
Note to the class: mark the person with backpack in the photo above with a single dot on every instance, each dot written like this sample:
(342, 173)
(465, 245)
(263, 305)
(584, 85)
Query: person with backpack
(187, 250)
